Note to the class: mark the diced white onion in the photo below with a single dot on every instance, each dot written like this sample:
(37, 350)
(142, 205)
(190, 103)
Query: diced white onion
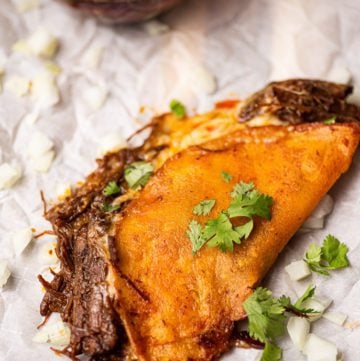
(32, 117)
(201, 79)
(22, 47)
(317, 218)
(45, 91)
(335, 317)
(155, 27)
(39, 145)
(95, 96)
(324, 208)
(4, 273)
(319, 304)
(63, 190)
(354, 98)
(298, 329)
(313, 223)
(42, 163)
(9, 175)
(43, 43)
(298, 270)
(47, 254)
(57, 334)
(92, 57)
(21, 239)
(18, 85)
(111, 143)
(23, 6)
(318, 349)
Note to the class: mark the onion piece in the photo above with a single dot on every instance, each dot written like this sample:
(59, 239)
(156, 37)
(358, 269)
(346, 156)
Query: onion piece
(111, 143)
(298, 270)
(318, 349)
(298, 329)
(47, 254)
(43, 43)
(18, 85)
(335, 317)
(42, 163)
(324, 208)
(4, 273)
(95, 96)
(63, 191)
(201, 79)
(21, 239)
(22, 6)
(9, 175)
(39, 145)
(57, 334)
(32, 117)
(92, 57)
(317, 218)
(44, 90)
(354, 98)
(318, 304)
(155, 27)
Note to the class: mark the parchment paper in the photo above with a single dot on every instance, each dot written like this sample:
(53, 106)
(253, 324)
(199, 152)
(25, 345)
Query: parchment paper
(244, 44)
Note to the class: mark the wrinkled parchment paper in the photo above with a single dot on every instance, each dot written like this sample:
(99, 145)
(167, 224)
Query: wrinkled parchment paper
(244, 44)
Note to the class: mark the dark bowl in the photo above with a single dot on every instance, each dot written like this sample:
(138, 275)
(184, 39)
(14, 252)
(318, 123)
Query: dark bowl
(123, 11)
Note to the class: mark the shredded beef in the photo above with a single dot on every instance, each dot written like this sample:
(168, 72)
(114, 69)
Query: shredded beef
(302, 101)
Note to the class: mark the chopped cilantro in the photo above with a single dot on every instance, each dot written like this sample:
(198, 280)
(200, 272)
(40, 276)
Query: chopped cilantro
(177, 108)
(248, 202)
(267, 316)
(331, 120)
(111, 189)
(309, 293)
(137, 174)
(227, 177)
(194, 234)
(272, 352)
(204, 207)
(330, 256)
(220, 232)
(109, 208)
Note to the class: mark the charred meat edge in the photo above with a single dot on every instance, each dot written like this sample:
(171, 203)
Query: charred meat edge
(79, 292)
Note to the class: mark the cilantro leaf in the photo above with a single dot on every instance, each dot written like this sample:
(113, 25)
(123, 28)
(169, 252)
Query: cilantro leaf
(335, 253)
(245, 230)
(111, 189)
(331, 120)
(272, 352)
(265, 314)
(219, 232)
(297, 308)
(248, 202)
(194, 234)
(204, 207)
(227, 177)
(309, 293)
(177, 108)
(330, 256)
(109, 208)
(137, 174)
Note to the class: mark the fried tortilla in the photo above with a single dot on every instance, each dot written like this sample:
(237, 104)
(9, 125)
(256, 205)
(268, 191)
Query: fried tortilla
(129, 286)
(192, 300)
